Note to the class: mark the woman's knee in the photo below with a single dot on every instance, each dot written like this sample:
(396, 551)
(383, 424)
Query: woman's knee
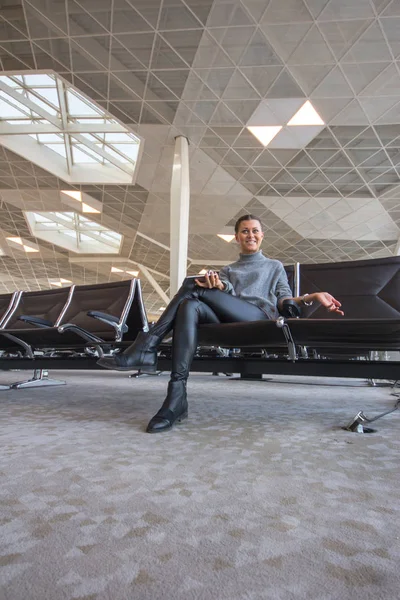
(188, 307)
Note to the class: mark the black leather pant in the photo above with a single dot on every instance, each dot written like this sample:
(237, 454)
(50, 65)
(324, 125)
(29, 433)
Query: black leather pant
(193, 306)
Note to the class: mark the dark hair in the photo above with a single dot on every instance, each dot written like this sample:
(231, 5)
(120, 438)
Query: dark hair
(246, 218)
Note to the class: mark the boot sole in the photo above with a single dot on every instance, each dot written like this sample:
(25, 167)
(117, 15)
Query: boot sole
(149, 369)
(178, 420)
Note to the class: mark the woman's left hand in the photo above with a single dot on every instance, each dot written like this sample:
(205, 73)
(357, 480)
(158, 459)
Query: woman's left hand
(327, 300)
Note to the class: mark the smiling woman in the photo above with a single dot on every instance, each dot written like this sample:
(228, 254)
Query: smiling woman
(248, 234)
(251, 289)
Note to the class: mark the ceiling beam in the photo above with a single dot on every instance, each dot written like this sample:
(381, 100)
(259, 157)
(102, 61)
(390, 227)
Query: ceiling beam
(27, 103)
(64, 121)
(156, 286)
(72, 128)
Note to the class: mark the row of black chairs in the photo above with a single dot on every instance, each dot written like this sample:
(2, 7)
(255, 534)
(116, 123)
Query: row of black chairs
(74, 322)
(86, 321)
(369, 291)
(75, 317)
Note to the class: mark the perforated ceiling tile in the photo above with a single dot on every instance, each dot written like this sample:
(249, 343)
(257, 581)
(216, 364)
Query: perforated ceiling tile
(204, 70)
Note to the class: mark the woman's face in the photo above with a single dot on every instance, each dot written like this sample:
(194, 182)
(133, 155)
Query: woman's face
(249, 236)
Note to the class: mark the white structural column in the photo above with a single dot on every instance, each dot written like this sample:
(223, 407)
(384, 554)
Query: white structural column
(397, 249)
(179, 228)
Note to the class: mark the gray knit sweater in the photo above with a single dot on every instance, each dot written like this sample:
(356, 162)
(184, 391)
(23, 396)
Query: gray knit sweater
(257, 279)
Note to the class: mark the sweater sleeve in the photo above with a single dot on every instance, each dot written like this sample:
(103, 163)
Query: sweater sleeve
(224, 277)
(282, 288)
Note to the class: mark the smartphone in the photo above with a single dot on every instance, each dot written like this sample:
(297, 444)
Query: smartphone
(200, 278)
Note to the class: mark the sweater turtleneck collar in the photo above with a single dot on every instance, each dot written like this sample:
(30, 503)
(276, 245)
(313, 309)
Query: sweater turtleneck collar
(251, 258)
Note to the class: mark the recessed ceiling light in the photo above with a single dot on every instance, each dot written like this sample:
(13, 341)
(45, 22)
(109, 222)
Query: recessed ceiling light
(89, 209)
(16, 240)
(203, 272)
(116, 270)
(226, 238)
(133, 273)
(20, 242)
(75, 195)
(265, 134)
(161, 308)
(59, 282)
(306, 115)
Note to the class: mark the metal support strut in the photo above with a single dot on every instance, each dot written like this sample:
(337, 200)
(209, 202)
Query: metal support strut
(40, 379)
(281, 323)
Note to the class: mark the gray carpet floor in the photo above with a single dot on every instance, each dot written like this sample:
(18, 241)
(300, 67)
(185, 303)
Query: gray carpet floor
(259, 495)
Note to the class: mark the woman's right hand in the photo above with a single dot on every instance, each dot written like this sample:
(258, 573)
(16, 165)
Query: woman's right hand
(211, 280)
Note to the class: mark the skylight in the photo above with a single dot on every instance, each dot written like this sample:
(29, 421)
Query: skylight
(46, 120)
(74, 232)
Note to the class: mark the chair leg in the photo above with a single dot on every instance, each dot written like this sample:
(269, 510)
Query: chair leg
(40, 379)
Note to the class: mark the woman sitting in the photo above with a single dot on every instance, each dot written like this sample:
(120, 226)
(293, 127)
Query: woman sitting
(251, 289)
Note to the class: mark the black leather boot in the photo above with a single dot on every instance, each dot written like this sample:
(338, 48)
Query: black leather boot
(142, 354)
(174, 408)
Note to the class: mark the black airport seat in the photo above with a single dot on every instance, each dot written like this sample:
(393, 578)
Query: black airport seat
(44, 307)
(33, 310)
(250, 336)
(357, 336)
(136, 318)
(292, 275)
(369, 291)
(257, 334)
(93, 315)
(7, 302)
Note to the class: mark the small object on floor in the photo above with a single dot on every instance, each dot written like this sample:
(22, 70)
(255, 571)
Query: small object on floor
(357, 424)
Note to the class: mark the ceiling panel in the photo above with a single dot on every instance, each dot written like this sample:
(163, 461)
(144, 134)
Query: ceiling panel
(202, 68)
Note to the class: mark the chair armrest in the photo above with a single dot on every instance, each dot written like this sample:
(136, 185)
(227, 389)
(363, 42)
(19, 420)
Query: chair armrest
(89, 337)
(13, 338)
(111, 321)
(290, 309)
(38, 321)
(105, 317)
